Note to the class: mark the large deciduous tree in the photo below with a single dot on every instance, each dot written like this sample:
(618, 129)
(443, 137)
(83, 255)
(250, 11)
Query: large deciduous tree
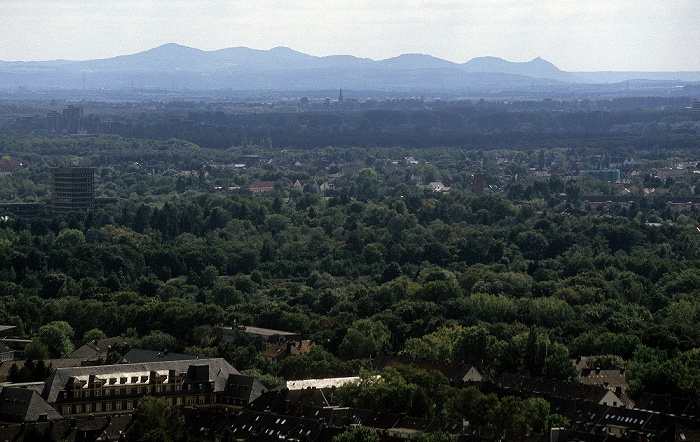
(156, 421)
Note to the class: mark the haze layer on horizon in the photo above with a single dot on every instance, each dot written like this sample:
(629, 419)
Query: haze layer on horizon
(575, 35)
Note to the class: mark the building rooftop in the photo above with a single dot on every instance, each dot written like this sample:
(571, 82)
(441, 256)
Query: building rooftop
(140, 355)
(215, 369)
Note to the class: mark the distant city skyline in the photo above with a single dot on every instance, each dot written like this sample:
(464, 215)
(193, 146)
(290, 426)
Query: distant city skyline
(593, 35)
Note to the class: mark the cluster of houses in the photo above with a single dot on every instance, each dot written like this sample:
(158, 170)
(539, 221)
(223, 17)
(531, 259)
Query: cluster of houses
(88, 402)
(274, 345)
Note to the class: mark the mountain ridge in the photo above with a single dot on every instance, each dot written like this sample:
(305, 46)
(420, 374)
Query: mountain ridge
(172, 65)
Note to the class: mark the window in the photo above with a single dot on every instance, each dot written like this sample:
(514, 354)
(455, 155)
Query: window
(118, 391)
(128, 390)
(179, 401)
(169, 401)
(213, 399)
(138, 390)
(88, 408)
(66, 409)
(78, 409)
(158, 388)
(129, 405)
(108, 406)
(119, 405)
(98, 406)
(201, 400)
(178, 387)
(98, 392)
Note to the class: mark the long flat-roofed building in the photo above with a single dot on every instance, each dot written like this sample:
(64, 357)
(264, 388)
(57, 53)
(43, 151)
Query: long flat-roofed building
(72, 188)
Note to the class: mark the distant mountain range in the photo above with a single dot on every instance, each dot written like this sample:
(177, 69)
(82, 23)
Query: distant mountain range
(173, 66)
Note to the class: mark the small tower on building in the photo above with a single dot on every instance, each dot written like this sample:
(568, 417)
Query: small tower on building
(340, 95)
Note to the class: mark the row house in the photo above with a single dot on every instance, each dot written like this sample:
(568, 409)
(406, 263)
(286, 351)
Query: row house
(117, 388)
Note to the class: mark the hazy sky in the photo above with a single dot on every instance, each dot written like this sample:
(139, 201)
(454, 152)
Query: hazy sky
(660, 35)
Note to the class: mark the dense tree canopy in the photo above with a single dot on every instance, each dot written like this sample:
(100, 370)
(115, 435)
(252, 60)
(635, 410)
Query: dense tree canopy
(520, 280)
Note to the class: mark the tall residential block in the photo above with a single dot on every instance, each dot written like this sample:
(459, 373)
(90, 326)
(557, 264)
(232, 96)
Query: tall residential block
(72, 188)
(479, 184)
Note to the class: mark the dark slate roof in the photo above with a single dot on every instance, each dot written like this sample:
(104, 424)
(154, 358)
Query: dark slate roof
(384, 420)
(10, 432)
(669, 404)
(218, 371)
(254, 426)
(244, 388)
(138, 355)
(93, 428)
(24, 405)
(205, 423)
(538, 386)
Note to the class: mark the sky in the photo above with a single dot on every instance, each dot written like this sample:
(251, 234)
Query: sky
(575, 35)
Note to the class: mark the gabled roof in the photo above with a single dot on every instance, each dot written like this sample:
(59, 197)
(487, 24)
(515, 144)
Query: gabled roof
(218, 371)
(608, 378)
(97, 348)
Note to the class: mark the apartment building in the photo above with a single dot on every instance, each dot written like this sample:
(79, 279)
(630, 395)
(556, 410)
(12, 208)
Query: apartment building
(72, 188)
